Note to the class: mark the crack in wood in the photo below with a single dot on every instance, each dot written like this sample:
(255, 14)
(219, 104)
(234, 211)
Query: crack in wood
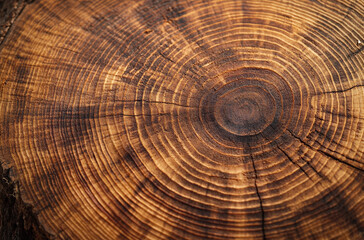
(293, 162)
(259, 197)
(159, 102)
(342, 90)
(325, 153)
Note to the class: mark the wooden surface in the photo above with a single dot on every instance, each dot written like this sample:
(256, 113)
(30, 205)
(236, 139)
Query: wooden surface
(187, 120)
(9, 11)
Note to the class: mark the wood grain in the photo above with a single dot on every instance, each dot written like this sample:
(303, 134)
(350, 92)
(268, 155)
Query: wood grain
(187, 119)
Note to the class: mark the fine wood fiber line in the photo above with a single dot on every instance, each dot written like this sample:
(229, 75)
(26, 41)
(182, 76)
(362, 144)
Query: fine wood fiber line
(205, 119)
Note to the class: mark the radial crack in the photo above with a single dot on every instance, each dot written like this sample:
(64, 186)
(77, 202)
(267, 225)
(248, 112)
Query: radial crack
(259, 197)
(161, 102)
(339, 160)
(166, 57)
(144, 115)
(348, 158)
(356, 52)
(344, 90)
(291, 160)
(325, 153)
(340, 114)
(308, 163)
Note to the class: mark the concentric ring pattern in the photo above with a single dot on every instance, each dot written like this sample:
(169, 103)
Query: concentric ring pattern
(187, 119)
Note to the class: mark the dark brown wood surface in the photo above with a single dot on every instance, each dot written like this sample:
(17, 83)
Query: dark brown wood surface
(187, 119)
(17, 219)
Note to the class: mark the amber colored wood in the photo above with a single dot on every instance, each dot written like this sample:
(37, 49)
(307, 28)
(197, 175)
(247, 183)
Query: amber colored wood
(187, 119)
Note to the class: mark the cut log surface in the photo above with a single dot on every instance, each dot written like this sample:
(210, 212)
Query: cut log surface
(187, 119)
